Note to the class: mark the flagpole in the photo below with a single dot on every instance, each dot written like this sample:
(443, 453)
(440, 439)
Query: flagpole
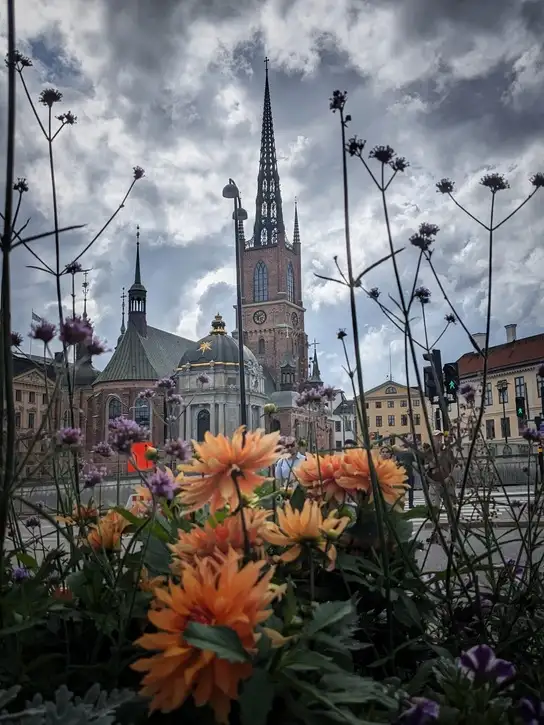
(32, 320)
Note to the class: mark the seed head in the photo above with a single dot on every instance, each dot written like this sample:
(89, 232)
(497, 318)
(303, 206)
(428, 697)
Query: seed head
(383, 154)
(355, 146)
(49, 96)
(19, 60)
(450, 319)
(338, 101)
(341, 334)
(445, 186)
(67, 119)
(21, 185)
(399, 163)
(537, 179)
(139, 173)
(423, 295)
(495, 182)
(374, 293)
(44, 331)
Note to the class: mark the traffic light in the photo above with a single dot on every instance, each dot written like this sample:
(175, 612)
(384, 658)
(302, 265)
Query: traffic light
(520, 407)
(430, 386)
(451, 378)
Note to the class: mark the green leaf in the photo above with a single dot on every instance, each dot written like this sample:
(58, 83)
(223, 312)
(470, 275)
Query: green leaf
(305, 660)
(298, 498)
(418, 512)
(27, 560)
(257, 698)
(157, 556)
(327, 614)
(221, 640)
(156, 529)
(410, 608)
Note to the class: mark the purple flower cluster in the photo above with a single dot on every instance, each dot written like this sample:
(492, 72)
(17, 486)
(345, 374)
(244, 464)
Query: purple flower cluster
(32, 522)
(93, 476)
(315, 395)
(161, 485)
(480, 663)
(146, 394)
(75, 330)
(468, 391)
(44, 331)
(423, 295)
(167, 384)
(425, 236)
(123, 432)
(20, 573)
(420, 711)
(73, 268)
(175, 399)
(532, 435)
(531, 710)
(96, 346)
(16, 339)
(103, 449)
(69, 437)
(179, 449)
(203, 379)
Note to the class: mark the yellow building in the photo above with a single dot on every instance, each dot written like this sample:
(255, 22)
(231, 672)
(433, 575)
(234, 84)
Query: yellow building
(387, 411)
(512, 373)
(31, 397)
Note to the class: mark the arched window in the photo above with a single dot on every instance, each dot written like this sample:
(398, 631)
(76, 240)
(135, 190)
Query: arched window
(272, 185)
(202, 423)
(290, 283)
(142, 413)
(274, 236)
(273, 210)
(265, 185)
(264, 209)
(260, 282)
(114, 408)
(264, 237)
(261, 347)
(391, 390)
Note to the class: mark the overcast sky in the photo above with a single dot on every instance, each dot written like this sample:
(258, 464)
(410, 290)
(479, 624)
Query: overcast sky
(176, 87)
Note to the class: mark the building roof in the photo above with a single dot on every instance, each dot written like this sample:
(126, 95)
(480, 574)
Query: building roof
(144, 358)
(525, 351)
(394, 384)
(217, 348)
(23, 364)
(345, 407)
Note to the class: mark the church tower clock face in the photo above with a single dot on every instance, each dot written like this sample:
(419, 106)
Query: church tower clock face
(259, 317)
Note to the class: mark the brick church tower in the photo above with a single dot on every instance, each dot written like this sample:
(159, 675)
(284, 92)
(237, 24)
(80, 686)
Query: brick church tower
(273, 310)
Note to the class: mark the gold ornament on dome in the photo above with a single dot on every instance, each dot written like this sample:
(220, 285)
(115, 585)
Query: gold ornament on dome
(204, 346)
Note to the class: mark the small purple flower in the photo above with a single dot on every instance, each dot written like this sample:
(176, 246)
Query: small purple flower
(76, 329)
(531, 435)
(383, 154)
(93, 476)
(96, 346)
(32, 522)
(450, 319)
(338, 101)
(495, 182)
(16, 339)
(445, 186)
(531, 710)
(20, 573)
(161, 485)
(513, 570)
(203, 379)
(73, 268)
(44, 331)
(468, 391)
(480, 662)
(421, 711)
(139, 173)
(178, 449)
(69, 437)
(103, 449)
(174, 399)
(166, 384)
(146, 394)
(123, 432)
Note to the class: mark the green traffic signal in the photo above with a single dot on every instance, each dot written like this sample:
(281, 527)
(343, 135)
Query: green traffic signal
(452, 385)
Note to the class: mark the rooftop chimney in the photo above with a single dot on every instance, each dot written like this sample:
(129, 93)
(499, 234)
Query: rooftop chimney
(479, 339)
(510, 333)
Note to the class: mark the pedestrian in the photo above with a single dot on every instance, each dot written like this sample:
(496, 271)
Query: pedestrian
(288, 461)
(349, 443)
(406, 458)
(439, 465)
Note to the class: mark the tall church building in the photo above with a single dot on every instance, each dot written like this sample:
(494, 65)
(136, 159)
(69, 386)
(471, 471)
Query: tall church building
(273, 309)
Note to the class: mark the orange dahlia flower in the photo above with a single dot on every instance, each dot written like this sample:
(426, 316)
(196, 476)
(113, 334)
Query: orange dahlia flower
(207, 540)
(318, 475)
(307, 527)
(218, 459)
(211, 592)
(356, 475)
(106, 534)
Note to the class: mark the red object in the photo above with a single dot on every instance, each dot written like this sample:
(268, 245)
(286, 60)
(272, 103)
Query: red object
(510, 354)
(138, 456)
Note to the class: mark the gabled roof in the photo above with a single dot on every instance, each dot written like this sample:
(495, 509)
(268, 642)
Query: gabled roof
(144, 358)
(345, 407)
(23, 364)
(386, 384)
(524, 351)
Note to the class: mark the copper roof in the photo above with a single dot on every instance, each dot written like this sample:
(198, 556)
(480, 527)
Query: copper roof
(525, 351)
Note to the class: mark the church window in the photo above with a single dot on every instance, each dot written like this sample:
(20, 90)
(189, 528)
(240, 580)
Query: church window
(264, 237)
(114, 408)
(260, 282)
(272, 185)
(273, 210)
(274, 236)
(142, 413)
(290, 283)
(265, 185)
(264, 209)
(202, 423)
(261, 347)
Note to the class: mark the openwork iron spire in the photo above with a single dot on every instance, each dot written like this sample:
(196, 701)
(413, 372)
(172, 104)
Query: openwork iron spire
(137, 295)
(315, 377)
(296, 232)
(269, 213)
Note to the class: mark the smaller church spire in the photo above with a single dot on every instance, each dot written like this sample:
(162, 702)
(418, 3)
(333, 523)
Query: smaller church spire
(137, 295)
(296, 232)
(85, 286)
(315, 377)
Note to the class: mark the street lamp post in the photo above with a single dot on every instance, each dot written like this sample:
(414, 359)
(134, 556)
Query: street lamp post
(231, 191)
(502, 387)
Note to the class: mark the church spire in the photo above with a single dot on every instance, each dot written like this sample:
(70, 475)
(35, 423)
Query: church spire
(137, 296)
(269, 227)
(296, 232)
(315, 377)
